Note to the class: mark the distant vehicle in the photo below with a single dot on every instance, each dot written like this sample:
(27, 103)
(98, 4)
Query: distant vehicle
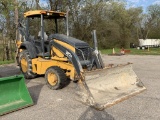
(145, 43)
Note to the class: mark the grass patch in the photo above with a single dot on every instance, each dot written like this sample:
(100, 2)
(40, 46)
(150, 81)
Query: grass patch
(6, 62)
(134, 51)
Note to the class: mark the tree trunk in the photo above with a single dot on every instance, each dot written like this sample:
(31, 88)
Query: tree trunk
(17, 32)
(37, 5)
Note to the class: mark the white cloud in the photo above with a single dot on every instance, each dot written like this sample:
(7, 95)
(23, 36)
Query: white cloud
(133, 1)
(136, 1)
(157, 2)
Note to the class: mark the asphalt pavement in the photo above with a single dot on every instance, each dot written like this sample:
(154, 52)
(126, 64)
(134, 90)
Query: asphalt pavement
(63, 104)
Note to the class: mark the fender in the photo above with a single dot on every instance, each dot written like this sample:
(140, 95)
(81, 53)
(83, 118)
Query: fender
(30, 48)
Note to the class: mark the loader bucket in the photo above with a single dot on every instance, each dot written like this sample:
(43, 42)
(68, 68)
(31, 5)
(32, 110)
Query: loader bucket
(104, 88)
(13, 94)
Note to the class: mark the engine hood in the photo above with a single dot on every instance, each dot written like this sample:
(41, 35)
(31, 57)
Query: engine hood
(70, 40)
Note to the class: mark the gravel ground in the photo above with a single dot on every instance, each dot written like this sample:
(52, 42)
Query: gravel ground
(63, 105)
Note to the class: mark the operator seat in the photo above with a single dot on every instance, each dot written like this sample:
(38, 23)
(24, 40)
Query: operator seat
(45, 35)
(46, 45)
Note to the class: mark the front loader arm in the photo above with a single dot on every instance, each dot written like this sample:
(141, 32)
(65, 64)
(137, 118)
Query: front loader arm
(83, 90)
(70, 55)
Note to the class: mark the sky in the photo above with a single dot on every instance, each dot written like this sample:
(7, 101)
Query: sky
(142, 3)
(131, 3)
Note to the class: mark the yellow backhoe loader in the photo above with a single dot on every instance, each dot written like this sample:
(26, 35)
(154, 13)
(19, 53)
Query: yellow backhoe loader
(59, 56)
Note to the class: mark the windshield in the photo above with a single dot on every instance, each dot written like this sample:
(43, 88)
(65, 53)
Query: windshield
(50, 26)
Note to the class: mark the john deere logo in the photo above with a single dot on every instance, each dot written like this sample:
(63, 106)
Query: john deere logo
(68, 54)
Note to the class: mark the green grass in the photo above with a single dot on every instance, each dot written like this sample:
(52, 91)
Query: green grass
(6, 62)
(134, 51)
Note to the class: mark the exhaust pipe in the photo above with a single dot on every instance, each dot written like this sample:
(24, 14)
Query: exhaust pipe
(94, 36)
(67, 13)
(96, 54)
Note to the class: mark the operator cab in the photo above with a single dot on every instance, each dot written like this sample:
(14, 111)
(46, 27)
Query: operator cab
(43, 26)
(40, 25)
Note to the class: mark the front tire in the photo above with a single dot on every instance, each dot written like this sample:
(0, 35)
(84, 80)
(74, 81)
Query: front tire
(55, 78)
(25, 63)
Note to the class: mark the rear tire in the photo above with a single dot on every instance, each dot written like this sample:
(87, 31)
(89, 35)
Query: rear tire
(143, 48)
(55, 78)
(25, 63)
(138, 48)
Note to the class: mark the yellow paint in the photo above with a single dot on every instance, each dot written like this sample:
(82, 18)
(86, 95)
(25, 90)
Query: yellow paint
(40, 65)
(24, 65)
(20, 50)
(57, 52)
(39, 12)
(59, 59)
(66, 45)
(52, 79)
(18, 43)
(34, 65)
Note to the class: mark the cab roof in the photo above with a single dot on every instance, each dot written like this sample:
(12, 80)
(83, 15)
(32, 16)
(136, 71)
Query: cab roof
(46, 13)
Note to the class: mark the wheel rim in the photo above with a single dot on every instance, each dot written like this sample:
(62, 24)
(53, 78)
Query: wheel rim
(24, 65)
(52, 79)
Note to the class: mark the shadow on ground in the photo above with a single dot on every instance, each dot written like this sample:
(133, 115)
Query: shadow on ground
(92, 114)
(35, 92)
